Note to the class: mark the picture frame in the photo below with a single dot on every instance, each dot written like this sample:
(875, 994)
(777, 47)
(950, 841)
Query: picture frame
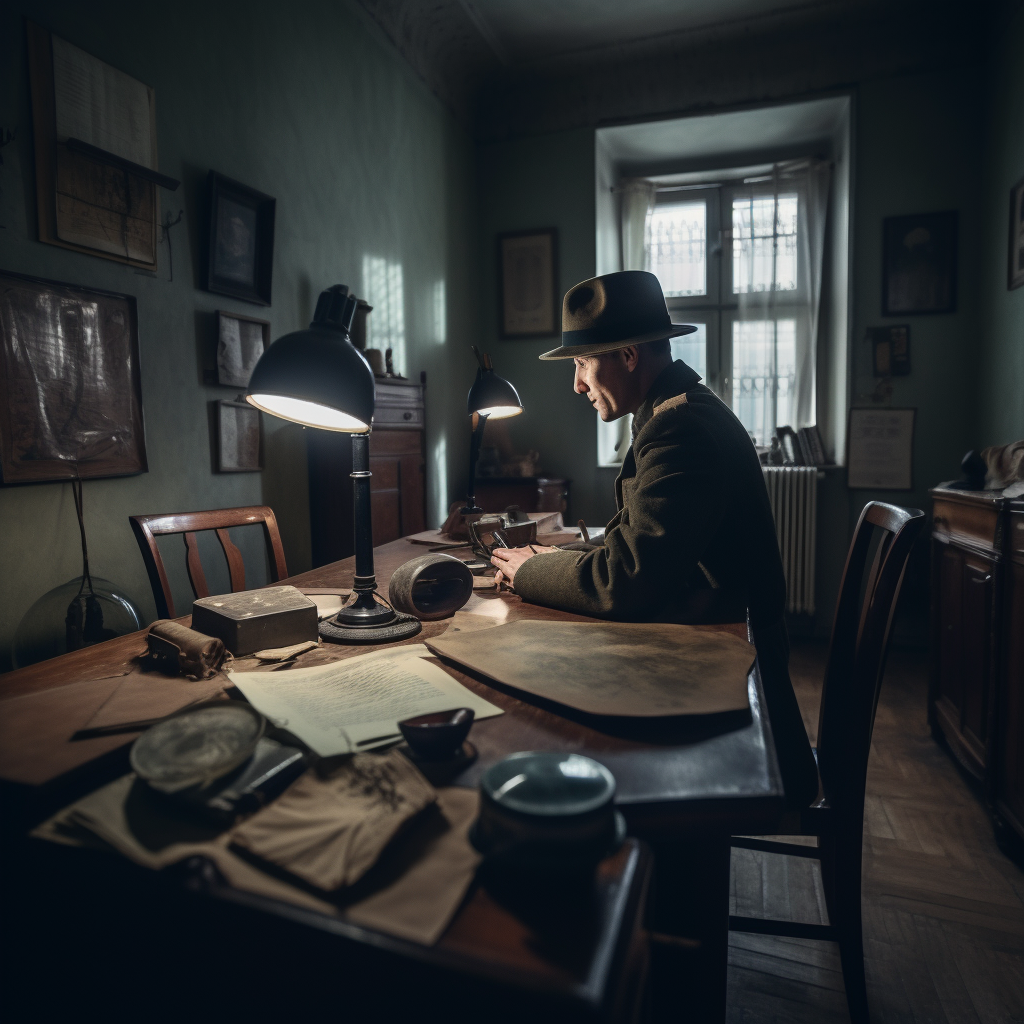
(881, 449)
(919, 254)
(241, 340)
(240, 259)
(890, 350)
(1015, 262)
(528, 297)
(63, 415)
(239, 437)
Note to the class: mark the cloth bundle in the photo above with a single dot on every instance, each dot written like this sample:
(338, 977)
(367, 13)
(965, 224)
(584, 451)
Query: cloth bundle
(180, 650)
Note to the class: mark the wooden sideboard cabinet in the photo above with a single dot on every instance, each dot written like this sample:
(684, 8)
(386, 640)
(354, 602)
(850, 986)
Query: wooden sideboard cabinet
(397, 462)
(976, 690)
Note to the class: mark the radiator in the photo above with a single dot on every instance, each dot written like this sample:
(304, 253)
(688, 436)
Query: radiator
(793, 493)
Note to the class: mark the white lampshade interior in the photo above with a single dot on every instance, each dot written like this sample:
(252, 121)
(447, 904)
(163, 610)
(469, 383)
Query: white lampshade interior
(501, 412)
(309, 414)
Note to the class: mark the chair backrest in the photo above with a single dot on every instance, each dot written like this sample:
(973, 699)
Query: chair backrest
(148, 528)
(860, 640)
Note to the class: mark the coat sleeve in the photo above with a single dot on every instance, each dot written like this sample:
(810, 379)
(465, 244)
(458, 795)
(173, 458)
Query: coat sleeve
(674, 507)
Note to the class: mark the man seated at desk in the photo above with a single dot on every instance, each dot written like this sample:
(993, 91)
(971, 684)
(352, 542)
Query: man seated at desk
(694, 532)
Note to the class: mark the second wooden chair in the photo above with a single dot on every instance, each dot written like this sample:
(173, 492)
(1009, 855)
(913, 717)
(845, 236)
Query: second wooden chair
(148, 528)
(853, 678)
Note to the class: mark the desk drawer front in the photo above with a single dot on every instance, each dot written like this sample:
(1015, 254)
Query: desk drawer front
(398, 416)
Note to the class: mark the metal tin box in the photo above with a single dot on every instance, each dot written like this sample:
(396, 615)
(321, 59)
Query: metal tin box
(253, 620)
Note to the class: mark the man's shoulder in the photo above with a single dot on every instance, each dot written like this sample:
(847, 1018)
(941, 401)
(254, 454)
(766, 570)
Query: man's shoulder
(694, 410)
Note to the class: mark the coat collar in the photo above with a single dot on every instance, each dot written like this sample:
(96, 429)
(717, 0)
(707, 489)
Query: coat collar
(676, 379)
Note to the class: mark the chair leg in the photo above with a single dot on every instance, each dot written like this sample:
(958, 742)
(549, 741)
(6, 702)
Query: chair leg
(841, 870)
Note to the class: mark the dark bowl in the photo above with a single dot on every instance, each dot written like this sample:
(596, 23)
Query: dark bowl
(437, 735)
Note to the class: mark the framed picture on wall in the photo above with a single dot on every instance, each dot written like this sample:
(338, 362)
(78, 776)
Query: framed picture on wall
(1016, 261)
(890, 350)
(528, 299)
(881, 449)
(919, 264)
(239, 438)
(241, 253)
(70, 388)
(241, 340)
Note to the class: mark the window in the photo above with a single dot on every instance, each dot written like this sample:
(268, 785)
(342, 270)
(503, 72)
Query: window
(736, 258)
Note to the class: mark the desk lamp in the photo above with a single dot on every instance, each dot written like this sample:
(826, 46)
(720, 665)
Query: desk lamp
(490, 397)
(318, 378)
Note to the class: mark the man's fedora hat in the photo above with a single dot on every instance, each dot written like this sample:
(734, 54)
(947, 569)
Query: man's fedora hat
(607, 313)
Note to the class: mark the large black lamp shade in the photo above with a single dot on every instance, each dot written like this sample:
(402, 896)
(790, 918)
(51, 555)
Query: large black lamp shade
(490, 397)
(318, 378)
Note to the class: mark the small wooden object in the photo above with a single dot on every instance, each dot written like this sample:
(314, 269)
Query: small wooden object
(257, 619)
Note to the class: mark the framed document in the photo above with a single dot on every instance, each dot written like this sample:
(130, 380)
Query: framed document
(70, 387)
(919, 259)
(241, 340)
(239, 438)
(881, 449)
(241, 254)
(1015, 269)
(528, 284)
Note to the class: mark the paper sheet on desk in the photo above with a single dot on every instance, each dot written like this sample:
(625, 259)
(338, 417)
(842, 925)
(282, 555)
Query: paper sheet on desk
(354, 705)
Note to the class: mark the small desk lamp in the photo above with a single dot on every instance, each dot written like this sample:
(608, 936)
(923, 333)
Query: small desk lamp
(490, 397)
(318, 378)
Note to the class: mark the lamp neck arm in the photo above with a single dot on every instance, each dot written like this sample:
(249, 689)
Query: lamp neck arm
(474, 454)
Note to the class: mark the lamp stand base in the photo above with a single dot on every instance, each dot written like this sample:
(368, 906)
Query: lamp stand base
(385, 630)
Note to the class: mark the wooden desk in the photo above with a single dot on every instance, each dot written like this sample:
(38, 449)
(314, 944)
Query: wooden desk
(685, 789)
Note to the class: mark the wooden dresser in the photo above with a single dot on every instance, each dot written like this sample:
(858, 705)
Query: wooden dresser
(397, 461)
(976, 691)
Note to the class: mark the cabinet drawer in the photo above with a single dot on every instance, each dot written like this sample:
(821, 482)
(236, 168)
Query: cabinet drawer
(394, 393)
(1017, 533)
(396, 442)
(398, 416)
(975, 524)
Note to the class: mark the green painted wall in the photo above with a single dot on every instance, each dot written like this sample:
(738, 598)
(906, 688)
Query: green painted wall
(1001, 379)
(540, 182)
(309, 104)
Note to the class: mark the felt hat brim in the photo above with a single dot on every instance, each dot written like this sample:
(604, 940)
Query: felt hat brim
(600, 348)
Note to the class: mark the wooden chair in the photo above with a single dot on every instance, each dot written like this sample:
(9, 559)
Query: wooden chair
(148, 528)
(853, 678)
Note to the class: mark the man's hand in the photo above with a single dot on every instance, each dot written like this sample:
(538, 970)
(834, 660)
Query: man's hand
(508, 560)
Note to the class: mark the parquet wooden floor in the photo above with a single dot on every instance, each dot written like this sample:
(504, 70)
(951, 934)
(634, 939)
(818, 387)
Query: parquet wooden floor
(943, 908)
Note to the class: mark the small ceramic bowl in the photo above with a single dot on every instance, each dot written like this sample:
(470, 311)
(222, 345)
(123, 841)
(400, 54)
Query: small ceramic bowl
(438, 735)
(545, 809)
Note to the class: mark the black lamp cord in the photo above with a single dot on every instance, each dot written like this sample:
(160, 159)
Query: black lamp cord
(76, 490)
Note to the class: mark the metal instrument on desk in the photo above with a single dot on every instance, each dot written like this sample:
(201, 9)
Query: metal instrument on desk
(505, 529)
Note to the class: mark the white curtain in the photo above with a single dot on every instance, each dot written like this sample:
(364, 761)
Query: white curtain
(778, 231)
(638, 195)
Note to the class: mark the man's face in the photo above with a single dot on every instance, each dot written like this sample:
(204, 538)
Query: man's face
(605, 381)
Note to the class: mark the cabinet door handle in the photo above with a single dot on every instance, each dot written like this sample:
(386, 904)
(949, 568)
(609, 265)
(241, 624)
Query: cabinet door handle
(406, 415)
(984, 579)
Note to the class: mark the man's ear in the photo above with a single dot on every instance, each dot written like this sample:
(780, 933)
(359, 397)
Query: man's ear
(631, 356)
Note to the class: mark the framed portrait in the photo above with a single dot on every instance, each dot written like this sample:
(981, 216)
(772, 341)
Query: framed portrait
(528, 284)
(241, 340)
(239, 438)
(919, 264)
(881, 449)
(70, 388)
(1015, 270)
(890, 350)
(241, 256)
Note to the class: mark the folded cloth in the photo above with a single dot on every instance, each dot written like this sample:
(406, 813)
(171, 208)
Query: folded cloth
(412, 893)
(329, 831)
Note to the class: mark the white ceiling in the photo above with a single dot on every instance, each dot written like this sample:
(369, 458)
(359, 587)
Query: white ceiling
(525, 31)
(724, 135)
